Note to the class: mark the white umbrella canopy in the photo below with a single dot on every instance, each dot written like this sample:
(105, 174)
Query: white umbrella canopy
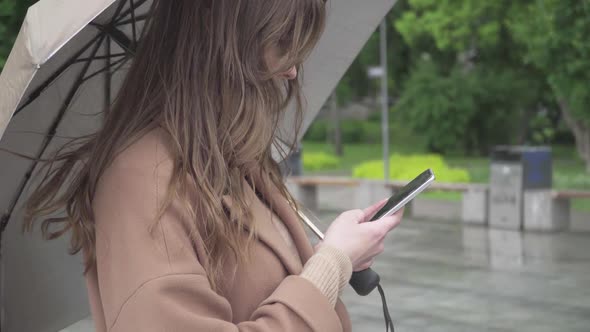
(65, 68)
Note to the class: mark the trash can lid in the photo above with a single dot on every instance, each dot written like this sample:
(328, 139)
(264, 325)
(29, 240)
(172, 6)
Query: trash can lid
(516, 152)
(506, 153)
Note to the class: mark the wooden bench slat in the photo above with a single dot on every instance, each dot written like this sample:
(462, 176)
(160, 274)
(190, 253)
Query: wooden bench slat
(324, 181)
(571, 194)
(443, 186)
(342, 181)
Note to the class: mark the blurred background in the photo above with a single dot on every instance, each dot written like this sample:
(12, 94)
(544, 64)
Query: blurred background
(463, 77)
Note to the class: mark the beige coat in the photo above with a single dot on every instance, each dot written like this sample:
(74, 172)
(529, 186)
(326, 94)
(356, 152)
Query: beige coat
(156, 282)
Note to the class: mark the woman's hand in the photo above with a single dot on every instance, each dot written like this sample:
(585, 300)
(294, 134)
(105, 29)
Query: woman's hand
(361, 240)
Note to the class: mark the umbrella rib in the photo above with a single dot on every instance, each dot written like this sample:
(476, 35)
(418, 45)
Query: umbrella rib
(119, 65)
(118, 36)
(102, 57)
(128, 11)
(106, 68)
(133, 28)
(118, 12)
(52, 130)
(138, 18)
(108, 78)
(37, 92)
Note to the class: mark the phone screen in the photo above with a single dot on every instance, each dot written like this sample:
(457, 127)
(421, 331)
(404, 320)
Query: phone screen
(407, 193)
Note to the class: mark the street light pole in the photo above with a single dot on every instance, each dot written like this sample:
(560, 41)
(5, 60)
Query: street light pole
(336, 133)
(384, 98)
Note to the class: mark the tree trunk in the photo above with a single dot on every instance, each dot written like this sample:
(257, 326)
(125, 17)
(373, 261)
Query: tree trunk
(581, 132)
(525, 125)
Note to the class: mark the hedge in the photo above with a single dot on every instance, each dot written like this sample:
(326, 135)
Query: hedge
(318, 161)
(407, 167)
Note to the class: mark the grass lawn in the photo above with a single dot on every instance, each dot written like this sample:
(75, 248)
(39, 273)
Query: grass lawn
(568, 169)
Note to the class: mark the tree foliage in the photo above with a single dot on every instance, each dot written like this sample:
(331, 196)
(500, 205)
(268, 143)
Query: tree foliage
(554, 34)
(480, 70)
(463, 111)
(12, 13)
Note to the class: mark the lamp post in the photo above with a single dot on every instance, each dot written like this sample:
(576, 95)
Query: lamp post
(384, 99)
(381, 72)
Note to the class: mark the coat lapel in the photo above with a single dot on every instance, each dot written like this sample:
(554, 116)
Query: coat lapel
(291, 220)
(267, 232)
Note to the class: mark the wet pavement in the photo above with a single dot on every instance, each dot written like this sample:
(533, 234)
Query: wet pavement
(449, 278)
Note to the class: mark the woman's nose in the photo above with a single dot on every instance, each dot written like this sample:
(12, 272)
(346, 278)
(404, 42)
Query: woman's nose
(291, 74)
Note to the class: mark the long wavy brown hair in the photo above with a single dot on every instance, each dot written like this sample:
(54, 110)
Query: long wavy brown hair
(200, 74)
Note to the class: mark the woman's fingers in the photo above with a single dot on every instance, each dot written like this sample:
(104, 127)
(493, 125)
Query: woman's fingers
(362, 242)
(392, 221)
(384, 225)
(371, 210)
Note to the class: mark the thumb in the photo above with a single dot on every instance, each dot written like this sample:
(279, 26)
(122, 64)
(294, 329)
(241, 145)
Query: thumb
(371, 210)
(390, 222)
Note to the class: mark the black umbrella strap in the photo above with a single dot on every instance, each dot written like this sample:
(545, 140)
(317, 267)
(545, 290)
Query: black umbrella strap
(388, 320)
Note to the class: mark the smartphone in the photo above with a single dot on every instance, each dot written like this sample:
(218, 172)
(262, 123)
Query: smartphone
(406, 194)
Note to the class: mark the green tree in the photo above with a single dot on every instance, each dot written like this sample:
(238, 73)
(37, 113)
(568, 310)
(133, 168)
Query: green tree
(12, 14)
(439, 107)
(554, 35)
(462, 111)
(476, 55)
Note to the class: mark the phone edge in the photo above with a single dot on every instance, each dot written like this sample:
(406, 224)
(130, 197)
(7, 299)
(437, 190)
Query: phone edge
(413, 195)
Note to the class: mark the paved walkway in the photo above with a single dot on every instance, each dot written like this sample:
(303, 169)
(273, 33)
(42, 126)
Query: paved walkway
(445, 277)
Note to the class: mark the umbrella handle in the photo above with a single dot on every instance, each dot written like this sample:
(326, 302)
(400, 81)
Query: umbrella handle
(364, 282)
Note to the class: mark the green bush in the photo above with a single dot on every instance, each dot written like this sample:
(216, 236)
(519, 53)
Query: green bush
(318, 161)
(358, 131)
(406, 167)
(317, 132)
(353, 131)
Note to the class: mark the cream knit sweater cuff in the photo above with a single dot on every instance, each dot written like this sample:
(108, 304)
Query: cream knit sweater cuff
(329, 270)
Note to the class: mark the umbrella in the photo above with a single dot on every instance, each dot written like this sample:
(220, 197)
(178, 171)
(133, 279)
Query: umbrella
(64, 69)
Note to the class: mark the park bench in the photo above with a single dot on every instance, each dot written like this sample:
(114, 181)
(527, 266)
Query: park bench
(306, 187)
(551, 209)
(474, 204)
(570, 194)
(368, 191)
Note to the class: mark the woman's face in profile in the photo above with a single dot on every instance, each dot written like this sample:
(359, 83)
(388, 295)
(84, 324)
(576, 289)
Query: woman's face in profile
(274, 61)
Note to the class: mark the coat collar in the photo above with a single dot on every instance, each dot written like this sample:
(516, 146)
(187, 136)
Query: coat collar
(268, 234)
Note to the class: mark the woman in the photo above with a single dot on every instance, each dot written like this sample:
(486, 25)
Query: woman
(177, 204)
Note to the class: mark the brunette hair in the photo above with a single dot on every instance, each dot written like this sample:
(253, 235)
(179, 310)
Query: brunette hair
(200, 74)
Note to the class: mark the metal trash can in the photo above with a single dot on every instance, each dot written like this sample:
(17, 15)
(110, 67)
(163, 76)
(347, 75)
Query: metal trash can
(538, 168)
(505, 199)
(520, 188)
(541, 211)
